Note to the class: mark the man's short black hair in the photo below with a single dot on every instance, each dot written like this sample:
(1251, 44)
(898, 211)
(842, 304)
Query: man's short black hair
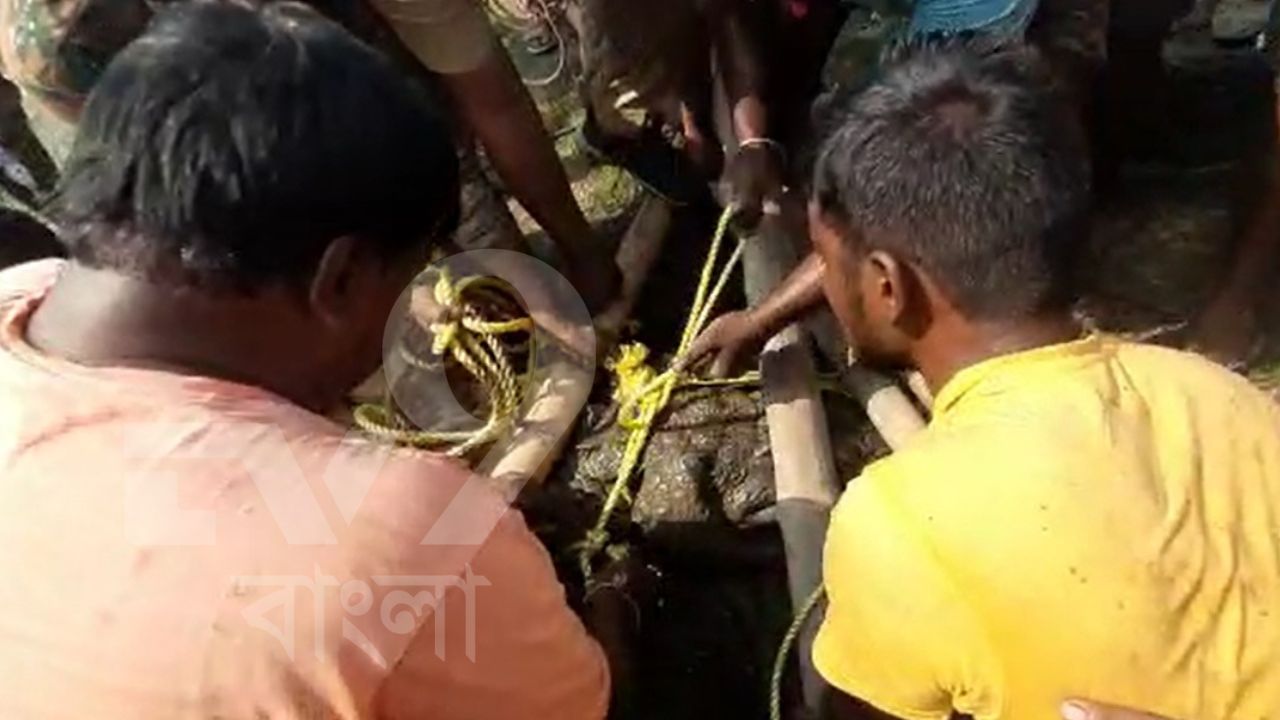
(962, 158)
(228, 145)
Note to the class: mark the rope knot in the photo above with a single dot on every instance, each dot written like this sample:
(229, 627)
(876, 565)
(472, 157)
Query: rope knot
(642, 392)
(449, 323)
(461, 332)
(631, 371)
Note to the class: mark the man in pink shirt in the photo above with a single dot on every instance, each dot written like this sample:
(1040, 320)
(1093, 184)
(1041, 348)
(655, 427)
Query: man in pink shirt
(184, 534)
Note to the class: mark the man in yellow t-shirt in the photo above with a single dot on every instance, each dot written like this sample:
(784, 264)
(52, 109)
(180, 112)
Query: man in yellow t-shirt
(1084, 516)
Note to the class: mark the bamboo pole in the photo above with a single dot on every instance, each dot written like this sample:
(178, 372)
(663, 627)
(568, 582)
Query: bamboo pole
(888, 407)
(803, 465)
(558, 394)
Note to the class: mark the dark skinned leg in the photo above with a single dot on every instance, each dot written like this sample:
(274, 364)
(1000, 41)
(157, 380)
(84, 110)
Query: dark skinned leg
(1226, 331)
(1227, 328)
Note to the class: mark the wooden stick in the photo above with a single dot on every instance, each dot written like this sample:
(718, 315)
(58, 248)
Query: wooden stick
(887, 406)
(803, 466)
(560, 392)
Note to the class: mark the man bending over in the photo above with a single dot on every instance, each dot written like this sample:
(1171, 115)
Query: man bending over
(184, 535)
(1084, 516)
(55, 50)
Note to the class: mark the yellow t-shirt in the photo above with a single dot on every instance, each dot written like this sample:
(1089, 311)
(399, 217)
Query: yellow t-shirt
(1097, 519)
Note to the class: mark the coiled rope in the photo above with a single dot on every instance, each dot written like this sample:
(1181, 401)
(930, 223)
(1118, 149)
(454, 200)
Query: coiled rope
(640, 390)
(463, 333)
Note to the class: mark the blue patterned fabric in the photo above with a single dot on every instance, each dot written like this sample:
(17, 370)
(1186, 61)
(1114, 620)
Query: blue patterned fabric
(1008, 18)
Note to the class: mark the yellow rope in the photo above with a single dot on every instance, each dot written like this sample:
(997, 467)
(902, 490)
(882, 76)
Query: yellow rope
(784, 649)
(643, 393)
(473, 342)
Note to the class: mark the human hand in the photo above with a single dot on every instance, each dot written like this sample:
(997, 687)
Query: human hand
(753, 178)
(728, 338)
(1086, 710)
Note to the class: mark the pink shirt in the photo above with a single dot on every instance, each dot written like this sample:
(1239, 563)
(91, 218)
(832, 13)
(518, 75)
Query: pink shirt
(175, 546)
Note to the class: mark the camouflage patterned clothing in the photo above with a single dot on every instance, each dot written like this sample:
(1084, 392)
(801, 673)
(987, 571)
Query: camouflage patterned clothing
(1074, 30)
(54, 51)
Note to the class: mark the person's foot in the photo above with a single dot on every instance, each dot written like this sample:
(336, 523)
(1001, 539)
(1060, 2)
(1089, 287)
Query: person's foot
(650, 159)
(1227, 330)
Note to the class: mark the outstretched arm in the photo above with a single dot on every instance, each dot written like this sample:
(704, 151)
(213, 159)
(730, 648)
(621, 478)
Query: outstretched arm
(453, 38)
(735, 334)
(494, 103)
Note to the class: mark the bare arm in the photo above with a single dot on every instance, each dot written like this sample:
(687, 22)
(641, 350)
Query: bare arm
(1226, 330)
(738, 333)
(495, 105)
(800, 292)
(742, 70)
(756, 167)
(453, 39)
